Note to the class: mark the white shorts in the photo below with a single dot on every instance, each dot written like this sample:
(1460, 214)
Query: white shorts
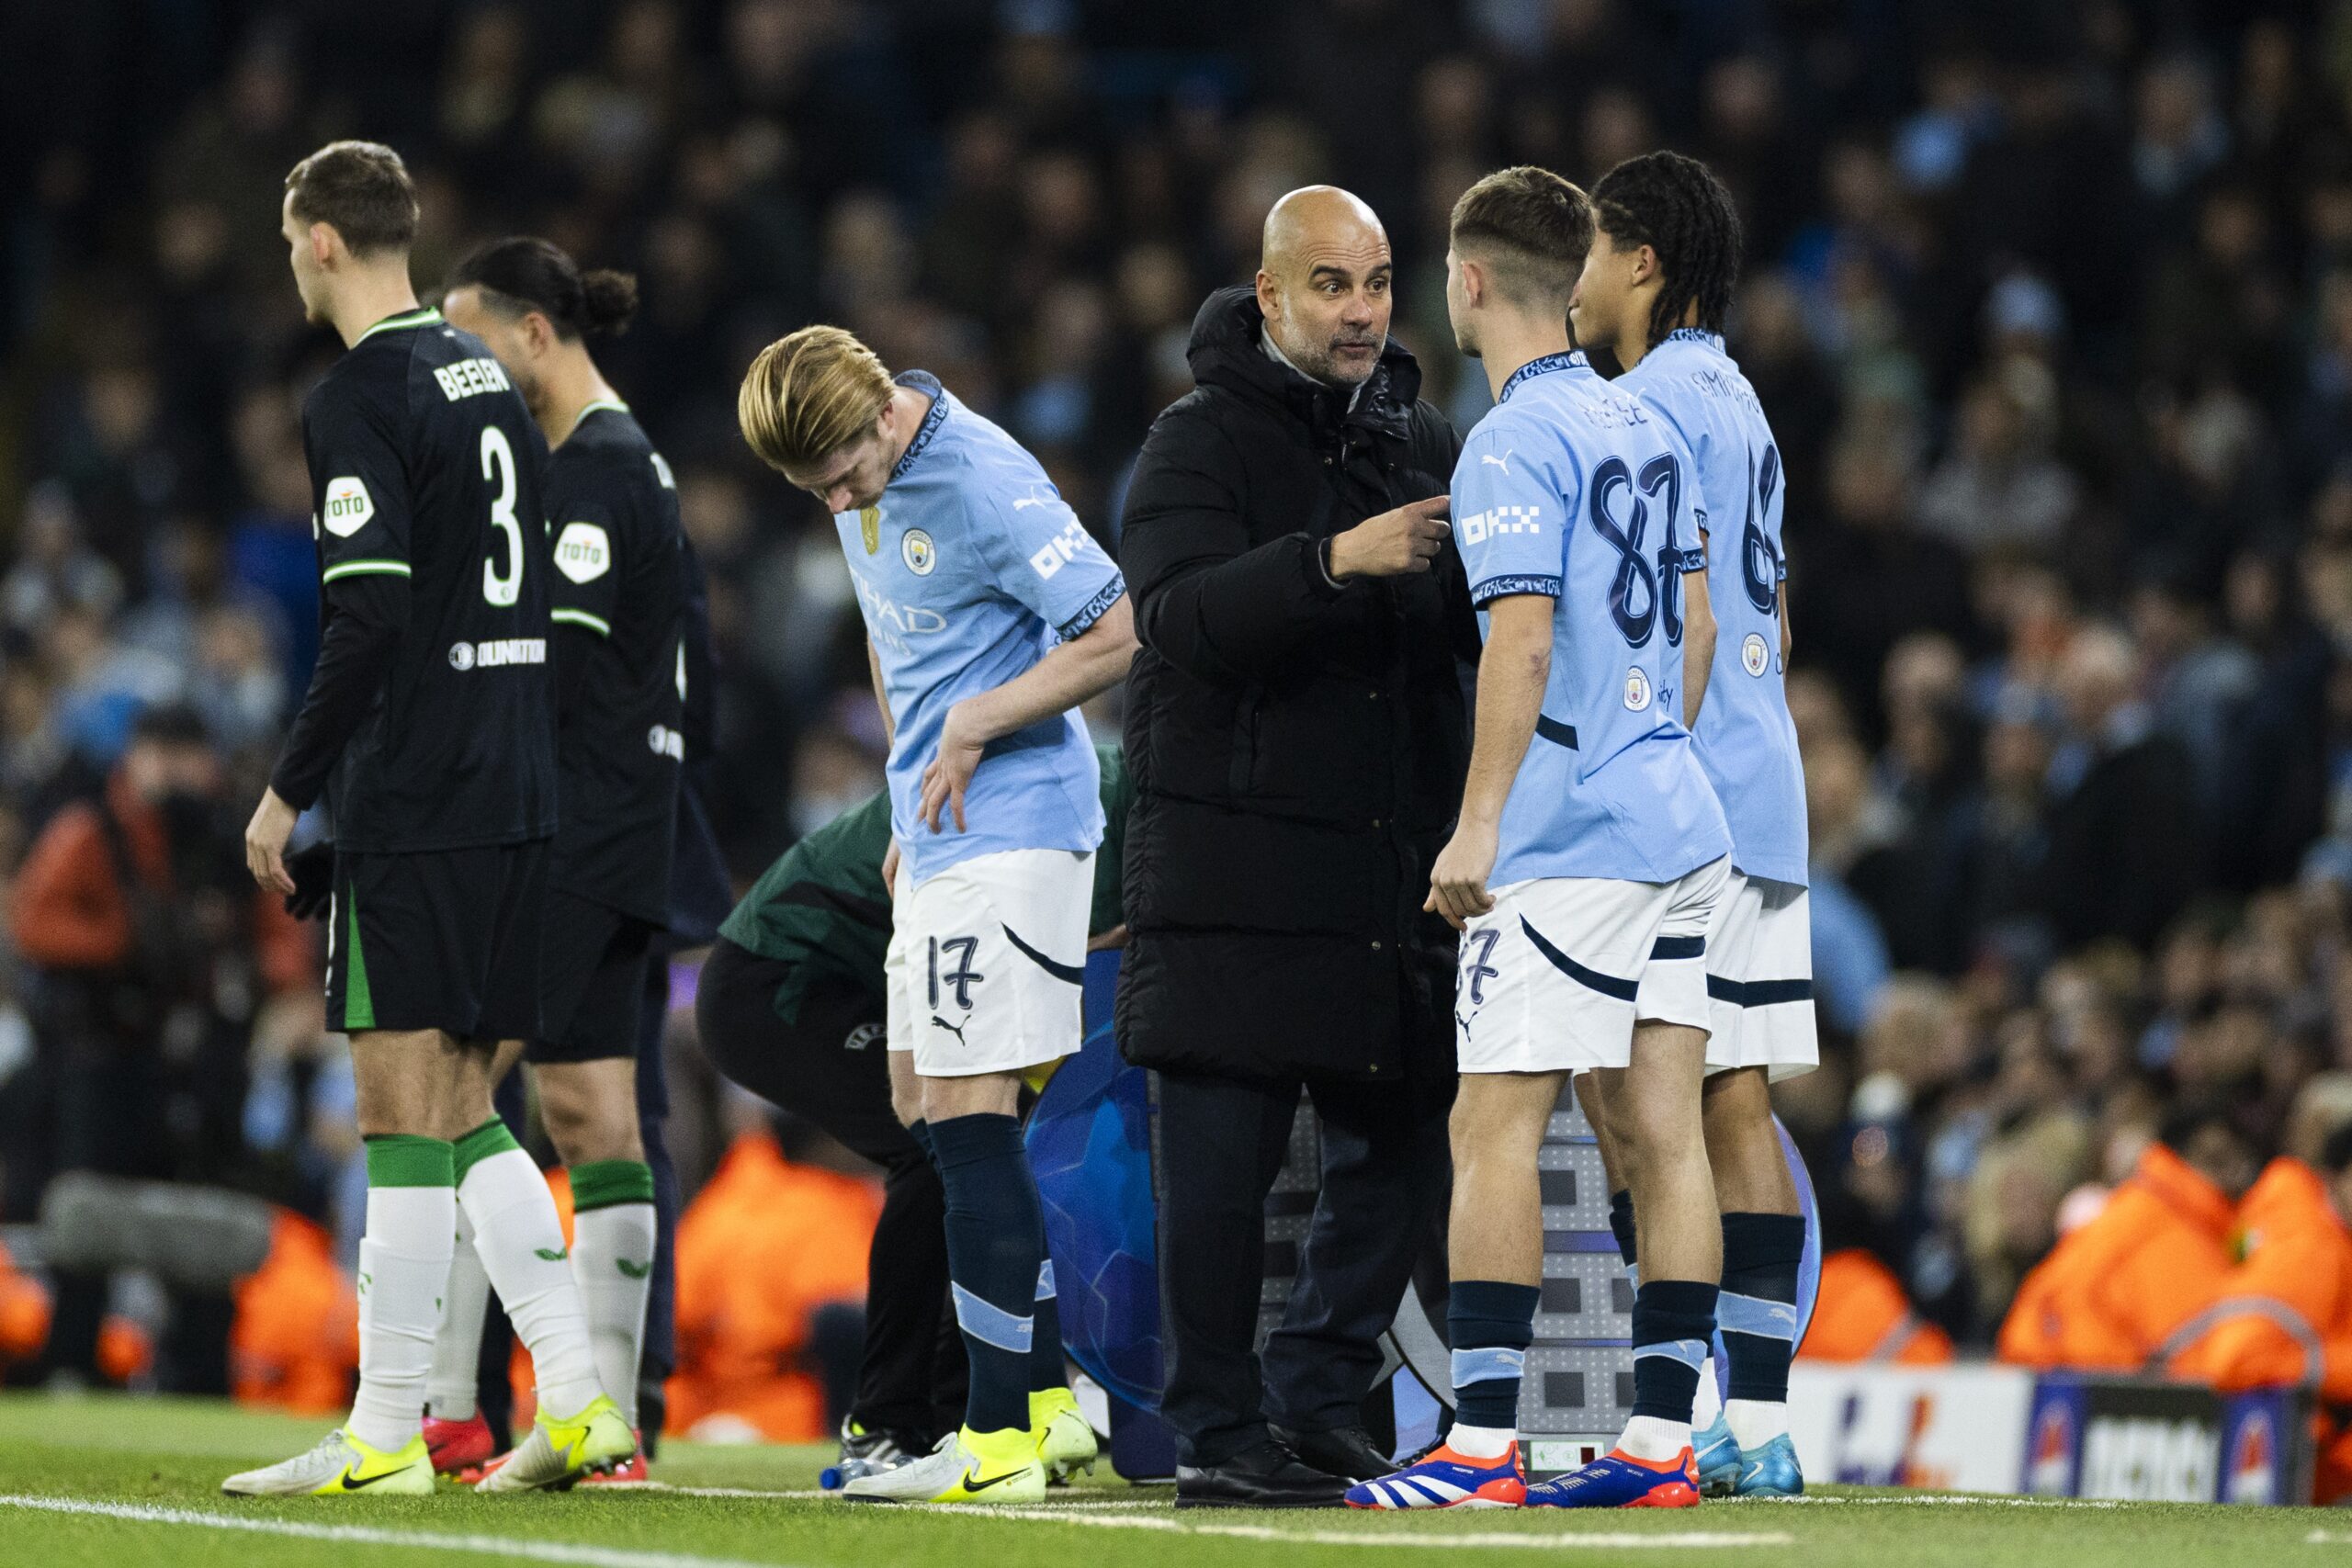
(986, 961)
(1553, 977)
(1759, 976)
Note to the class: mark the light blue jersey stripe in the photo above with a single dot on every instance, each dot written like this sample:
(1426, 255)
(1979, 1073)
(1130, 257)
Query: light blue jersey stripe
(1487, 1365)
(1753, 1314)
(1045, 1280)
(992, 1325)
(1691, 1353)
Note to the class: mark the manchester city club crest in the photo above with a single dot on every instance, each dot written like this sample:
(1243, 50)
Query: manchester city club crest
(1754, 655)
(916, 551)
(1637, 689)
(869, 527)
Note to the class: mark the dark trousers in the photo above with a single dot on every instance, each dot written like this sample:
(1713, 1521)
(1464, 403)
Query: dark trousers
(1219, 1145)
(912, 1375)
(661, 1354)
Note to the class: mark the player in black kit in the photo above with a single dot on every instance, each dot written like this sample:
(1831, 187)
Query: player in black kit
(429, 724)
(619, 594)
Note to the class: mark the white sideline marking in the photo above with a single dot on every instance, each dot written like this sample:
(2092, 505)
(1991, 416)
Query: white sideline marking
(1973, 1500)
(2329, 1538)
(584, 1555)
(1613, 1541)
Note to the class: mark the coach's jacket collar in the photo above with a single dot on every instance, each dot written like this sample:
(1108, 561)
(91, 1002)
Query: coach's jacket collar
(1227, 351)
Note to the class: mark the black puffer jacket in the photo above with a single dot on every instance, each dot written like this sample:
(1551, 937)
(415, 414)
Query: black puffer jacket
(1297, 748)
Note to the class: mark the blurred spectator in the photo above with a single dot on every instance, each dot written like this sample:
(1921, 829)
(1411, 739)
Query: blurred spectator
(2158, 1254)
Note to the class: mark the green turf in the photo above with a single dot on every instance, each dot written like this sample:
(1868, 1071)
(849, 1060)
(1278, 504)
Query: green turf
(172, 1454)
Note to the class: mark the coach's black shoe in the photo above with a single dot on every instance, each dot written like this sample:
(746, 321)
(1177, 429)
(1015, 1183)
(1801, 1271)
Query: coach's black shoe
(1266, 1475)
(1347, 1452)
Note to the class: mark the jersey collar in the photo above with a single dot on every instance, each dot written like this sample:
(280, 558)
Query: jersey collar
(1697, 335)
(426, 317)
(925, 382)
(1543, 364)
(596, 405)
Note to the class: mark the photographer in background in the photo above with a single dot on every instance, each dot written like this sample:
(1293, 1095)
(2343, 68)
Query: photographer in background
(151, 952)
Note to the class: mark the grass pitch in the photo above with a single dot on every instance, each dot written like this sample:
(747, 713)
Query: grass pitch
(118, 1482)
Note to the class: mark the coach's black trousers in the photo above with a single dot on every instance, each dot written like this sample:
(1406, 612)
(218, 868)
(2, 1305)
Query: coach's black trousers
(1219, 1146)
(912, 1379)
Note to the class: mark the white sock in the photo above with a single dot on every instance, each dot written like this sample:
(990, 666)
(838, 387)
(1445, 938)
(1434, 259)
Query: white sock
(1654, 1437)
(450, 1390)
(1756, 1422)
(521, 1243)
(1481, 1442)
(403, 1264)
(612, 1258)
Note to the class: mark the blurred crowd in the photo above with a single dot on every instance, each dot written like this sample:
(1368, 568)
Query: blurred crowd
(2050, 302)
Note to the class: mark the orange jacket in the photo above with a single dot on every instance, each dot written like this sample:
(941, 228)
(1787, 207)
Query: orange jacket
(2110, 1292)
(69, 912)
(2298, 1266)
(24, 1313)
(1863, 1314)
(295, 1343)
(759, 1249)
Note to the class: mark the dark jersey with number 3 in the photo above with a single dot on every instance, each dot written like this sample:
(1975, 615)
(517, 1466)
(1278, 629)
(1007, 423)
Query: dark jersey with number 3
(426, 473)
(619, 610)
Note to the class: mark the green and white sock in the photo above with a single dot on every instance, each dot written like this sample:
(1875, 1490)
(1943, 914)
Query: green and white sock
(612, 1257)
(521, 1243)
(456, 1379)
(404, 1266)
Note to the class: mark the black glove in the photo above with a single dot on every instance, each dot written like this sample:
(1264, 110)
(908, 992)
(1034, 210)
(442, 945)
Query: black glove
(312, 870)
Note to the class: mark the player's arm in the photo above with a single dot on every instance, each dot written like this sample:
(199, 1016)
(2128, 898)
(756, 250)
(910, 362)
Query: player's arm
(364, 541)
(1788, 638)
(1513, 514)
(1038, 553)
(1213, 605)
(592, 557)
(1698, 639)
(1513, 674)
(890, 738)
(1075, 672)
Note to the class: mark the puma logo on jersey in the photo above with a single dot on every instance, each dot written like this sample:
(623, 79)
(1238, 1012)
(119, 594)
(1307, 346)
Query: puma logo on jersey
(1062, 549)
(1502, 462)
(348, 508)
(470, 377)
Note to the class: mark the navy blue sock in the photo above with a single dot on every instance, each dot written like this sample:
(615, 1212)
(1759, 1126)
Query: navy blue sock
(1673, 1320)
(1757, 1309)
(1489, 1324)
(993, 1226)
(1045, 1367)
(920, 1134)
(1621, 1226)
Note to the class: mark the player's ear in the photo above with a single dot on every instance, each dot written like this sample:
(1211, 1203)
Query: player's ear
(1269, 296)
(324, 242)
(1646, 266)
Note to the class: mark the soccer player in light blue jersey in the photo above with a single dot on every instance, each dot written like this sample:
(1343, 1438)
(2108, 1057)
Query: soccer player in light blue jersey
(1656, 288)
(990, 616)
(1587, 815)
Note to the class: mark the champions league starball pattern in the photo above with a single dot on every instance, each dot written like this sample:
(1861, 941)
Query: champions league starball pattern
(1089, 1144)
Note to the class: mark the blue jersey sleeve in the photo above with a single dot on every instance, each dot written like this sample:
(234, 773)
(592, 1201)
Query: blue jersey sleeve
(1042, 555)
(1685, 529)
(1511, 511)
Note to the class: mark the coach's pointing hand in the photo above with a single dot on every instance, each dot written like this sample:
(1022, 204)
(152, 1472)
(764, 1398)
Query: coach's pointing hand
(1393, 544)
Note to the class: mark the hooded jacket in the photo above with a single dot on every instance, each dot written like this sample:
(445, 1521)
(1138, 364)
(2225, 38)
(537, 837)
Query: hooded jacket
(1297, 746)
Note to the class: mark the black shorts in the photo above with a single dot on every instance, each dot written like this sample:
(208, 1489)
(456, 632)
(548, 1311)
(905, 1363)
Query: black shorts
(441, 939)
(591, 981)
(829, 1066)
